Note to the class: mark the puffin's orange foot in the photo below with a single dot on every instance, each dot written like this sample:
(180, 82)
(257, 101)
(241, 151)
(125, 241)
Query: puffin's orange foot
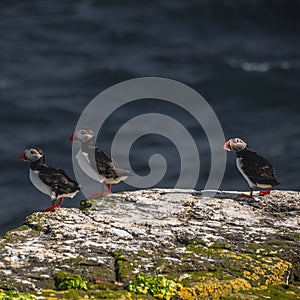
(246, 195)
(96, 195)
(51, 208)
(99, 194)
(264, 193)
(48, 209)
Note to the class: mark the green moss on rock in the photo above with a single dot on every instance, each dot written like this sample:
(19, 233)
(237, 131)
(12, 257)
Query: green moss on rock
(36, 221)
(93, 294)
(158, 286)
(66, 281)
(84, 204)
(15, 295)
(16, 234)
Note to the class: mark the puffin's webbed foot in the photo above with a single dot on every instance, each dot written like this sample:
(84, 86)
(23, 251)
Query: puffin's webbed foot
(264, 193)
(96, 195)
(248, 195)
(51, 208)
(102, 191)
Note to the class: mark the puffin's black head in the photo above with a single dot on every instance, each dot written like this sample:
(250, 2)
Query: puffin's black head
(82, 135)
(32, 155)
(235, 144)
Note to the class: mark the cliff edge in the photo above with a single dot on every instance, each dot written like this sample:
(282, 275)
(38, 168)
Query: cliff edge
(159, 243)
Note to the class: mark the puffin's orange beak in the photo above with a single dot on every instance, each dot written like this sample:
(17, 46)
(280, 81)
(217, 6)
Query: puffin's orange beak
(22, 155)
(71, 138)
(227, 145)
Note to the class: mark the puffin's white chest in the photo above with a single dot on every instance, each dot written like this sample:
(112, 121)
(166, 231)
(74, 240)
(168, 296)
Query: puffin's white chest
(239, 164)
(38, 183)
(85, 165)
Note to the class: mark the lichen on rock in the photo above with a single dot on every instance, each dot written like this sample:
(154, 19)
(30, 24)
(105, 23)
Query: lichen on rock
(220, 246)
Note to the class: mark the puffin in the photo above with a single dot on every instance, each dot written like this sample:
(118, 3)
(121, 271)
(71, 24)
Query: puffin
(255, 169)
(48, 180)
(105, 170)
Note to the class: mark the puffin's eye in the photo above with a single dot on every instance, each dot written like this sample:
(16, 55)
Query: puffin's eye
(32, 152)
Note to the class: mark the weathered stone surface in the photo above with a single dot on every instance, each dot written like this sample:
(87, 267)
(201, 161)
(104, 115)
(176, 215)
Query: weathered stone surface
(189, 237)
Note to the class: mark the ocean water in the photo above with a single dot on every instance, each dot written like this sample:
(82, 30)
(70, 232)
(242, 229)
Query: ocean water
(243, 57)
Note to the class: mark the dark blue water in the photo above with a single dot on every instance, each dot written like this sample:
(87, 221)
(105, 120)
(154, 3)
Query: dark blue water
(56, 56)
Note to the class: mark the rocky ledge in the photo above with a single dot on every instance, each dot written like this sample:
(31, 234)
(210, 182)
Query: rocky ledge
(160, 243)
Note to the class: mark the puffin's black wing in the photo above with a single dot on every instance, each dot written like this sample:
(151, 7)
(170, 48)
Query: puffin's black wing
(258, 169)
(102, 159)
(57, 180)
(105, 165)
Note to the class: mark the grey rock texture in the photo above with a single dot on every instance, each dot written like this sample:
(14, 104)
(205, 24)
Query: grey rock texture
(156, 231)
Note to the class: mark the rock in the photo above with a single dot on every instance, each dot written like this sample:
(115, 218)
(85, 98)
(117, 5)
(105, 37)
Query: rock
(213, 246)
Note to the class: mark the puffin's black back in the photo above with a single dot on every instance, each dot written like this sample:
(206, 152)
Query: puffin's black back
(104, 163)
(57, 180)
(257, 168)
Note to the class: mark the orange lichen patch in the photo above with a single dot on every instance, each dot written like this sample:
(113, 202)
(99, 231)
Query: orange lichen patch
(265, 272)
(214, 290)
